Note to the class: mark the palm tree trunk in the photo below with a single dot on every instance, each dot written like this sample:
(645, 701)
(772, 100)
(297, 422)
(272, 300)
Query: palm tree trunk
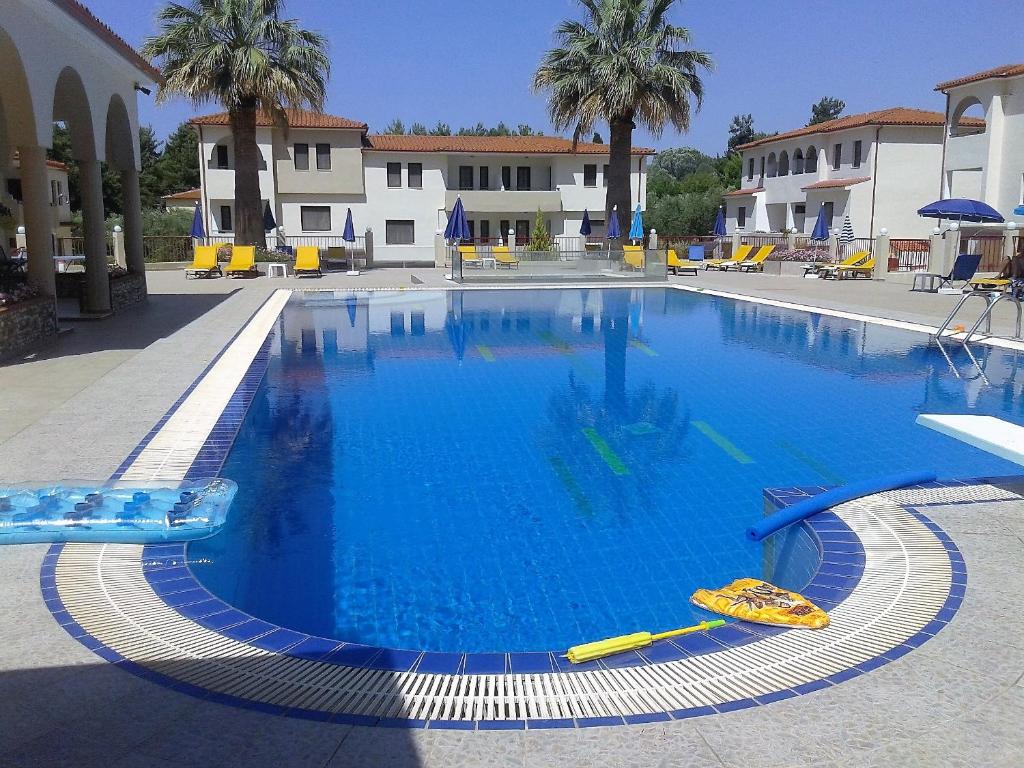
(248, 212)
(619, 191)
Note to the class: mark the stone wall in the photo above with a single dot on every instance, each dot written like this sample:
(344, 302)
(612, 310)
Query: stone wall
(127, 291)
(26, 326)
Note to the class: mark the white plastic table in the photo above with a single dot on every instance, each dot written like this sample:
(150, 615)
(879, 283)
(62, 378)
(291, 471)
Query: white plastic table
(277, 270)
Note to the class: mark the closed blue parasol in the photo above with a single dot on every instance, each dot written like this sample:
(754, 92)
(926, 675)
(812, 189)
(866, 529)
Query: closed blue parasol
(268, 219)
(636, 229)
(961, 209)
(614, 233)
(349, 235)
(198, 231)
(585, 226)
(458, 227)
(820, 232)
(719, 230)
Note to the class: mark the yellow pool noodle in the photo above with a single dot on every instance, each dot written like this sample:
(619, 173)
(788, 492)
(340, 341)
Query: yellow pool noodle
(601, 648)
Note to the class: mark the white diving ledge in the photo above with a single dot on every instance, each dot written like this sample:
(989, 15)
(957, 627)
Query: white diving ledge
(988, 433)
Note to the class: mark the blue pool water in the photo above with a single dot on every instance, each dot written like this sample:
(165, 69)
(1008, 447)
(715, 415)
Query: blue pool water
(524, 470)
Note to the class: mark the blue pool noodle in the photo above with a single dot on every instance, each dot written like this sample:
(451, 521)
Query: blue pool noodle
(812, 506)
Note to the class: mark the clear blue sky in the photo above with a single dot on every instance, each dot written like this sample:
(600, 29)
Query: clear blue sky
(399, 58)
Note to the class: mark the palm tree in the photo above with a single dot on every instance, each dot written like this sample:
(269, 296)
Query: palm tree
(242, 54)
(624, 63)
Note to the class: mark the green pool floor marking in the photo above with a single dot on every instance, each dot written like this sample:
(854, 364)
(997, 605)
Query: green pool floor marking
(485, 353)
(722, 442)
(642, 347)
(571, 486)
(826, 474)
(605, 452)
(549, 338)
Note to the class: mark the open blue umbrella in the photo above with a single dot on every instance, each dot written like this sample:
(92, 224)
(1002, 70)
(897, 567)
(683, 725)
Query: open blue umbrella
(719, 230)
(1019, 210)
(585, 226)
(458, 227)
(198, 231)
(268, 219)
(614, 233)
(820, 232)
(636, 229)
(961, 209)
(349, 235)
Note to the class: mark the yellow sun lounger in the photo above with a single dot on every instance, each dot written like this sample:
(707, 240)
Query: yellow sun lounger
(849, 261)
(307, 261)
(470, 258)
(755, 263)
(988, 283)
(633, 256)
(685, 265)
(862, 270)
(503, 257)
(243, 261)
(204, 262)
(736, 258)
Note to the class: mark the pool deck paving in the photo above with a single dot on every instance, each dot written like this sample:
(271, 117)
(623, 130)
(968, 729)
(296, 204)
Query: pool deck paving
(79, 407)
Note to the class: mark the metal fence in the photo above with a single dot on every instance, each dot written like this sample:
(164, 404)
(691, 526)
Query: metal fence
(526, 266)
(908, 255)
(714, 247)
(758, 240)
(157, 248)
(990, 247)
(75, 246)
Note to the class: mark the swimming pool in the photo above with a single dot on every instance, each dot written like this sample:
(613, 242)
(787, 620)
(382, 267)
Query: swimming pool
(524, 470)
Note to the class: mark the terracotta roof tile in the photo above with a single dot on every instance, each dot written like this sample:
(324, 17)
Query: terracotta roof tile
(85, 17)
(1007, 70)
(893, 116)
(188, 194)
(837, 183)
(553, 145)
(297, 118)
(743, 192)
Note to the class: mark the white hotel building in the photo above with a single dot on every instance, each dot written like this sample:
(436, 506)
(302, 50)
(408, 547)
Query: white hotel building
(401, 187)
(878, 168)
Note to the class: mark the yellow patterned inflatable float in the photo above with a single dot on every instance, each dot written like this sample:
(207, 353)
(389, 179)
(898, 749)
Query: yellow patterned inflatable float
(763, 603)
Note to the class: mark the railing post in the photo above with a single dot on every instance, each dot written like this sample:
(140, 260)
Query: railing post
(512, 244)
(936, 252)
(791, 239)
(1008, 238)
(368, 247)
(880, 253)
(440, 252)
(736, 238)
(652, 241)
(833, 248)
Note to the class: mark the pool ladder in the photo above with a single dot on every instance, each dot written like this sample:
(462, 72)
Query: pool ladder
(992, 298)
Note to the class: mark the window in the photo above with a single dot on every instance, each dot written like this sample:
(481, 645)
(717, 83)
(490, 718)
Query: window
(837, 156)
(857, 149)
(606, 166)
(750, 169)
(399, 232)
(323, 157)
(222, 156)
(523, 178)
(394, 175)
(784, 164)
(465, 177)
(506, 177)
(800, 210)
(503, 226)
(741, 217)
(830, 213)
(522, 231)
(54, 193)
(416, 175)
(762, 167)
(225, 219)
(798, 161)
(485, 230)
(589, 175)
(315, 218)
(811, 160)
(485, 177)
(472, 229)
(302, 157)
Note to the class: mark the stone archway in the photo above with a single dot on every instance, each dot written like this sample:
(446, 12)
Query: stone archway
(121, 152)
(964, 119)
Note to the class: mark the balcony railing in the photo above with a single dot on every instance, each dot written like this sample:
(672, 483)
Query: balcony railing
(908, 255)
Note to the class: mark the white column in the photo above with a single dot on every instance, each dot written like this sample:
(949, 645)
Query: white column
(937, 253)
(880, 253)
(996, 130)
(97, 281)
(35, 188)
(131, 202)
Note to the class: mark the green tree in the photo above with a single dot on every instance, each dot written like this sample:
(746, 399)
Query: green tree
(244, 55)
(826, 109)
(179, 162)
(441, 129)
(395, 128)
(741, 130)
(540, 238)
(730, 169)
(597, 138)
(624, 64)
(681, 161)
(524, 130)
(151, 181)
(477, 130)
(418, 129)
